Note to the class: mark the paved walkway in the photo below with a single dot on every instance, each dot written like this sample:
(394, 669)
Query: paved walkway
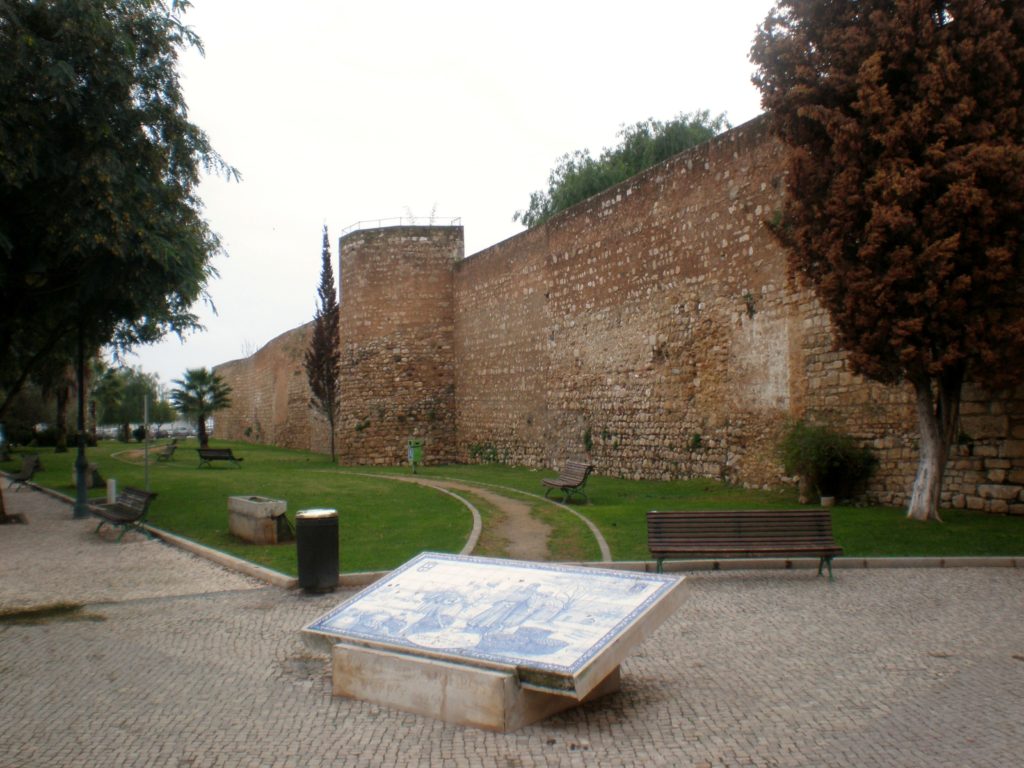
(175, 662)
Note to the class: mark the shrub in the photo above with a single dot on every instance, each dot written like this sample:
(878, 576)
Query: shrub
(828, 460)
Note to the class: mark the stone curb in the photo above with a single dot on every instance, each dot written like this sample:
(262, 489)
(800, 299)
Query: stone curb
(362, 579)
(750, 564)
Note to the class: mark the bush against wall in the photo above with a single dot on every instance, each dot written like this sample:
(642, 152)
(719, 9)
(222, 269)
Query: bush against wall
(828, 461)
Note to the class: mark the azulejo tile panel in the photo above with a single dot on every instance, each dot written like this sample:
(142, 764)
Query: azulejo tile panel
(549, 618)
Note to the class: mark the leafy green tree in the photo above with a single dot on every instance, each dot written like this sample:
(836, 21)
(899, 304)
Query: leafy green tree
(161, 412)
(106, 393)
(323, 358)
(102, 238)
(579, 175)
(905, 201)
(61, 388)
(199, 395)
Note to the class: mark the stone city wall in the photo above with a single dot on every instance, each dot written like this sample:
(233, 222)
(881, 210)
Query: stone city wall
(651, 330)
(270, 396)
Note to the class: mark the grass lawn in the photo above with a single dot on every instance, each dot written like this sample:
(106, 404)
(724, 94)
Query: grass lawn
(618, 507)
(383, 523)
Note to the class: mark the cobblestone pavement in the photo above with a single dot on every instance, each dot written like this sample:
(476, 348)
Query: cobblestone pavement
(893, 667)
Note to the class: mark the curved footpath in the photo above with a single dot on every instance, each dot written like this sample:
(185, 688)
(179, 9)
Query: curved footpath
(173, 661)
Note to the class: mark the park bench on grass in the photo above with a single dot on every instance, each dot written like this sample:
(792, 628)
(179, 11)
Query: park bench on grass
(129, 510)
(29, 466)
(208, 455)
(739, 533)
(571, 481)
(165, 453)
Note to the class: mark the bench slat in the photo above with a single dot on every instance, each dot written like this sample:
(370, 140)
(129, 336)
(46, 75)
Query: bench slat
(742, 533)
(129, 510)
(571, 480)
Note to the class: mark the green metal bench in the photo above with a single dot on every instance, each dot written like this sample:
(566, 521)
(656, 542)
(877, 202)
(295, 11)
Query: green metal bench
(740, 533)
(29, 466)
(128, 511)
(209, 455)
(571, 481)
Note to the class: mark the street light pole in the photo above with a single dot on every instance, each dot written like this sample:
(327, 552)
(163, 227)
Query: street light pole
(81, 508)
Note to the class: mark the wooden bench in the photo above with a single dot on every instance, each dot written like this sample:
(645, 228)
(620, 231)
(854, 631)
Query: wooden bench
(128, 511)
(165, 453)
(208, 455)
(717, 534)
(571, 481)
(29, 466)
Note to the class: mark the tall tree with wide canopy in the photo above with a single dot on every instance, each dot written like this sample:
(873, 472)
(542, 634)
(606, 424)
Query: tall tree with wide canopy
(102, 238)
(198, 395)
(905, 201)
(323, 357)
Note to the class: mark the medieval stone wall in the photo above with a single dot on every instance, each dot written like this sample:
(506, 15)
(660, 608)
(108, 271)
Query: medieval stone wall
(270, 396)
(651, 329)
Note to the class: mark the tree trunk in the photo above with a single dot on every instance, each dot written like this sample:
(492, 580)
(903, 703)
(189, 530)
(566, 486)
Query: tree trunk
(204, 440)
(938, 412)
(63, 395)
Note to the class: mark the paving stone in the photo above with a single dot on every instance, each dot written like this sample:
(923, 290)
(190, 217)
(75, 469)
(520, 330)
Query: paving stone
(884, 667)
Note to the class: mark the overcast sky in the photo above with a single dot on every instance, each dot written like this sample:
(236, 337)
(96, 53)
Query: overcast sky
(336, 112)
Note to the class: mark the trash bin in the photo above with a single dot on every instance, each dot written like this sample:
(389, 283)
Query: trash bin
(316, 544)
(414, 452)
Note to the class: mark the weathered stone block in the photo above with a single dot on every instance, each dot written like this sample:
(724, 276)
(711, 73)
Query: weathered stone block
(1012, 449)
(985, 427)
(1004, 492)
(256, 519)
(997, 463)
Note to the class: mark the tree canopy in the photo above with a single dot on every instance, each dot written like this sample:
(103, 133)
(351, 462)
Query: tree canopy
(102, 238)
(323, 357)
(199, 395)
(905, 202)
(121, 396)
(579, 175)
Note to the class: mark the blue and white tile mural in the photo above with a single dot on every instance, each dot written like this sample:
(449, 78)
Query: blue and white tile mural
(542, 616)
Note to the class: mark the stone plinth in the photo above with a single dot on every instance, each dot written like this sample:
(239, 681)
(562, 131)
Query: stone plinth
(493, 699)
(257, 519)
(488, 643)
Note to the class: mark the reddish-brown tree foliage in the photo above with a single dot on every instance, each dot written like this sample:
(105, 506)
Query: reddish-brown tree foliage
(905, 203)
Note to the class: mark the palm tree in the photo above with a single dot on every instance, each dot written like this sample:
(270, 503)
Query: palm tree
(198, 395)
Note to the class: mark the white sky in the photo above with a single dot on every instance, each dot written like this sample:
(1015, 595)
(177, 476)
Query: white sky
(336, 112)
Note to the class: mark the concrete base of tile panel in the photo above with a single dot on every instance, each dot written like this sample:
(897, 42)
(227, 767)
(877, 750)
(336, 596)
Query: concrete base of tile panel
(490, 698)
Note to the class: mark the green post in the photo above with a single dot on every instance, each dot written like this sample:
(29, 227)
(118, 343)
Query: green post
(414, 452)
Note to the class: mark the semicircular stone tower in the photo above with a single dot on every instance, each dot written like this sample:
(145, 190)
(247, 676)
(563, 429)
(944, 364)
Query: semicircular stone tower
(397, 364)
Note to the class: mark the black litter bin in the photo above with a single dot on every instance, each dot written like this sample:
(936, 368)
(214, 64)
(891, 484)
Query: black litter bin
(316, 544)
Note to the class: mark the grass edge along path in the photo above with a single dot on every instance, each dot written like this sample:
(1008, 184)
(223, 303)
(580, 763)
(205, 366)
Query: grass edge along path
(617, 510)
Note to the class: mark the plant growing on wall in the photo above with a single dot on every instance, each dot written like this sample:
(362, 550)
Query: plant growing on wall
(579, 176)
(905, 201)
(323, 358)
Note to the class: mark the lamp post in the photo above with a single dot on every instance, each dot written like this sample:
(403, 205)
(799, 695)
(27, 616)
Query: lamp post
(81, 508)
